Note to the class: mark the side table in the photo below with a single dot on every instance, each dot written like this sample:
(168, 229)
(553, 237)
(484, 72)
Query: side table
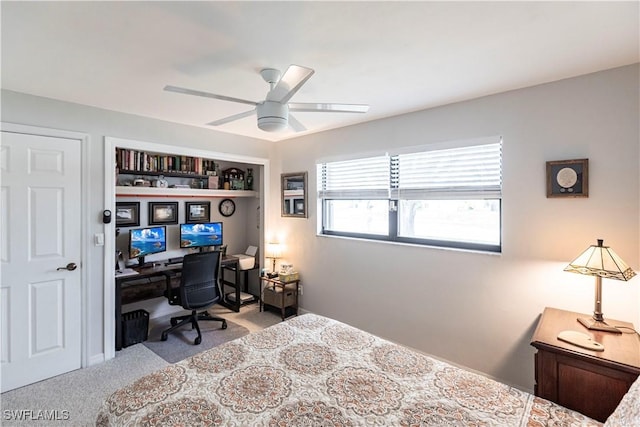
(277, 293)
(588, 381)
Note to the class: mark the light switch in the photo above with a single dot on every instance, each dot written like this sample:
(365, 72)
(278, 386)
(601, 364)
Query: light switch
(98, 239)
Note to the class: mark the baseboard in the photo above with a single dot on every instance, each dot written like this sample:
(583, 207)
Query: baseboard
(96, 359)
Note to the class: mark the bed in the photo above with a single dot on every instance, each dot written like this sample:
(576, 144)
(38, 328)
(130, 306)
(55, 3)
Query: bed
(312, 370)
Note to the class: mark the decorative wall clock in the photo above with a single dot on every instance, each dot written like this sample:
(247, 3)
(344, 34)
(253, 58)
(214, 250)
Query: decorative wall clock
(568, 178)
(227, 207)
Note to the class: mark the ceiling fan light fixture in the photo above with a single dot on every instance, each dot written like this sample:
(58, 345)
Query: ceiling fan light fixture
(273, 112)
(272, 116)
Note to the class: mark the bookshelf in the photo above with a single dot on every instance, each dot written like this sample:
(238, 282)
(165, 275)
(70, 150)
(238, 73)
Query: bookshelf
(150, 174)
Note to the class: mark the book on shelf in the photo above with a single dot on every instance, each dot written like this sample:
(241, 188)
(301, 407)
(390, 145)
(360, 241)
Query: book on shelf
(140, 161)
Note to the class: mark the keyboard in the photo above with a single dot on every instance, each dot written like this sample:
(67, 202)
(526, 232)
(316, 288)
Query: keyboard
(171, 261)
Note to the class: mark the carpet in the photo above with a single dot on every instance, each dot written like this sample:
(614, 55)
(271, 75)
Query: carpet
(179, 344)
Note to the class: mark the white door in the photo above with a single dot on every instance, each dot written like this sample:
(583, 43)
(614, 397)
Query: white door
(40, 232)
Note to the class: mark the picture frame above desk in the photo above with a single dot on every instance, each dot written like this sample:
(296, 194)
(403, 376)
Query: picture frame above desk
(161, 213)
(294, 194)
(127, 214)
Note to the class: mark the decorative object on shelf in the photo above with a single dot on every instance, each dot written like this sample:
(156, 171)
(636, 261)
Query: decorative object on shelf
(163, 213)
(198, 184)
(227, 207)
(213, 181)
(197, 212)
(235, 178)
(141, 182)
(161, 182)
(127, 214)
(568, 178)
(600, 261)
(274, 251)
(250, 179)
(294, 194)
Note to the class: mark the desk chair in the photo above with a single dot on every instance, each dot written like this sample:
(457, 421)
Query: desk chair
(198, 290)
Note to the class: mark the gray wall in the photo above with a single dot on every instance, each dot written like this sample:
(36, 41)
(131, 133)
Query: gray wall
(98, 123)
(475, 309)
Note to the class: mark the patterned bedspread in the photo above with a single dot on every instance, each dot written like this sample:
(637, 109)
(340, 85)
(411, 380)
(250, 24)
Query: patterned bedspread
(314, 371)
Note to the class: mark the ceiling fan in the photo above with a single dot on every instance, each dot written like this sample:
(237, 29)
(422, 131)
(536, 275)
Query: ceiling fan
(273, 112)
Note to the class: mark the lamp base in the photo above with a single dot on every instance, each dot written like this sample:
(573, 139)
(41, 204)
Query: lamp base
(596, 325)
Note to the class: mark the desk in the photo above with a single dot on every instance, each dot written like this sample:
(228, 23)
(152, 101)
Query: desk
(159, 269)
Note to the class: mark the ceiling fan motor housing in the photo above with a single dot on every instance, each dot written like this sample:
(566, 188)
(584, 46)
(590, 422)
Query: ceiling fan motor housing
(272, 116)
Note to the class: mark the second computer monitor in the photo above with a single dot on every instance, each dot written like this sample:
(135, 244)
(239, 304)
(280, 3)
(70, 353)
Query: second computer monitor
(200, 235)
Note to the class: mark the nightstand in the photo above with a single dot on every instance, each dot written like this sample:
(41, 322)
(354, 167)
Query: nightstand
(276, 293)
(590, 382)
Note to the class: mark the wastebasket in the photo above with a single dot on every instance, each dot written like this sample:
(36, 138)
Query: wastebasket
(135, 327)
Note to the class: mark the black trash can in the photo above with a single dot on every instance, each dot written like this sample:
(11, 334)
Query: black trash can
(135, 327)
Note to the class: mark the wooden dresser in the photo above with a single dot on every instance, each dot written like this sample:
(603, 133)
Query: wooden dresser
(590, 382)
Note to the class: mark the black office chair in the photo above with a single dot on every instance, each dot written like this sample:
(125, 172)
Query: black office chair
(198, 290)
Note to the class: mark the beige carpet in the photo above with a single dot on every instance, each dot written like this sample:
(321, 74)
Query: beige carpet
(80, 393)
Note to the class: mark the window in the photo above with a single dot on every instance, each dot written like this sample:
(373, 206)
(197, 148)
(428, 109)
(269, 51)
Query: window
(448, 197)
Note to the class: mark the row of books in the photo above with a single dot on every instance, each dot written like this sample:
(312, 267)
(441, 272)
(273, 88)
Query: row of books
(133, 160)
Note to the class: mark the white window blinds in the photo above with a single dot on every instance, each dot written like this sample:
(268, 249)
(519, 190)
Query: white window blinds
(456, 173)
(366, 178)
(464, 172)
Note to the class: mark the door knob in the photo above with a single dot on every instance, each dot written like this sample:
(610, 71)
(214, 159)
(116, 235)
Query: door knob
(71, 266)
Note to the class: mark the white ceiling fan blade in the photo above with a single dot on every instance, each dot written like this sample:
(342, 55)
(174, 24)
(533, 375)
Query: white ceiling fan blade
(231, 118)
(289, 83)
(207, 95)
(333, 108)
(295, 124)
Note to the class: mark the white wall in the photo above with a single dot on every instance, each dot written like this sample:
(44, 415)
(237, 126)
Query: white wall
(98, 123)
(475, 309)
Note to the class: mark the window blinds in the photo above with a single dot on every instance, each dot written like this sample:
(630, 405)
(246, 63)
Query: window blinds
(457, 173)
(366, 178)
(468, 172)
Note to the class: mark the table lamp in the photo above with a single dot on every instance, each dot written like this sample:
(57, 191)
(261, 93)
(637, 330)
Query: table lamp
(274, 251)
(600, 261)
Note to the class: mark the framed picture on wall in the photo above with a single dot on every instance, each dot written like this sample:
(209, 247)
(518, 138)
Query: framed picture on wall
(127, 214)
(568, 178)
(163, 213)
(197, 212)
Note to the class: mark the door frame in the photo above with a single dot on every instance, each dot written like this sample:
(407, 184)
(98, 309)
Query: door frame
(110, 144)
(85, 185)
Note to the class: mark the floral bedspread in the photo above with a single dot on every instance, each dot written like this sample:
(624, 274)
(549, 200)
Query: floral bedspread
(315, 371)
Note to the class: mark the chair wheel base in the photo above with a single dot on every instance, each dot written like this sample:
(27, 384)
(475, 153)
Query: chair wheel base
(197, 341)
(164, 336)
(224, 324)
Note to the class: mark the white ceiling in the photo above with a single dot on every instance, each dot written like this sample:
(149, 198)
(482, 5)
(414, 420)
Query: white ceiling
(396, 57)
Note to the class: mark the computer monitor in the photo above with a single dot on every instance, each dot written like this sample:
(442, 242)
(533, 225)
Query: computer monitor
(147, 241)
(200, 235)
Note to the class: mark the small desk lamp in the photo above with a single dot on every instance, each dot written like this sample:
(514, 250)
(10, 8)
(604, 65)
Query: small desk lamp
(600, 261)
(274, 251)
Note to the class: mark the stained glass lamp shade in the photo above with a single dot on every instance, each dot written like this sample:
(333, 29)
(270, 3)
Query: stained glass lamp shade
(600, 261)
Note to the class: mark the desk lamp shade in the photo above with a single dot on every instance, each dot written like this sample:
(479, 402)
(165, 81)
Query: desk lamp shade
(274, 251)
(600, 261)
